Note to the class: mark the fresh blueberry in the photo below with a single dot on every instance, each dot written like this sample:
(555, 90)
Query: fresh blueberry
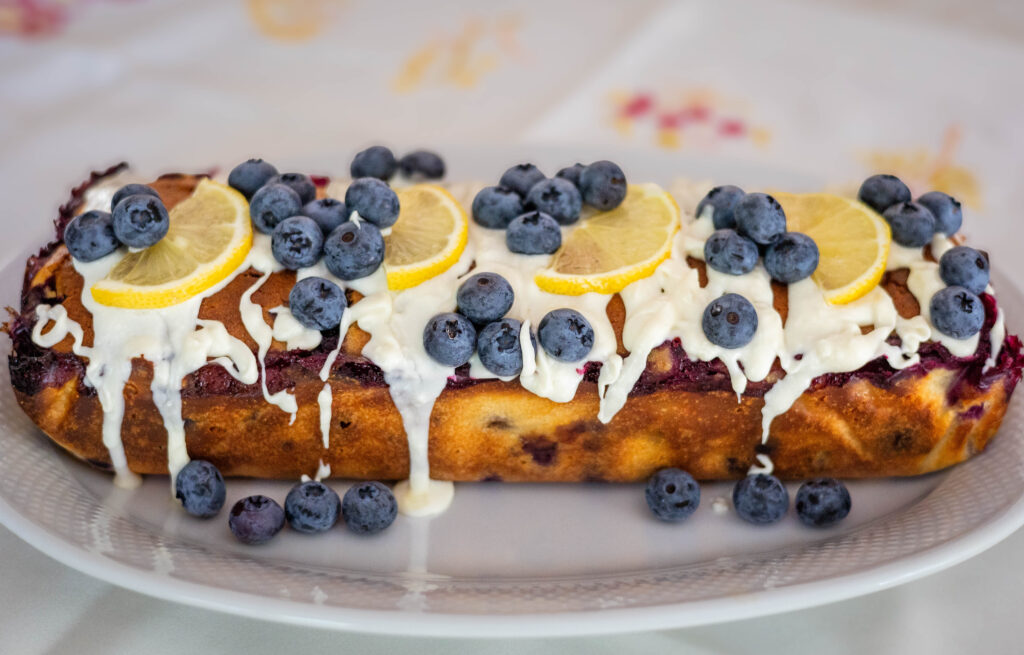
(496, 206)
(484, 298)
(760, 218)
(533, 233)
(374, 200)
(422, 164)
(317, 303)
(328, 213)
(90, 236)
(256, 519)
(760, 499)
(822, 502)
(297, 182)
(965, 267)
(672, 494)
(730, 321)
(312, 507)
(791, 258)
(140, 221)
(368, 507)
(558, 198)
(722, 202)
(565, 335)
(499, 348)
(880, 192)
(200, 488)
(297, 242)
(450, 339)
(946, 210)
(249, 176)
(912, 224)
(375, 161)
(521, 178)
(354, 250)
(603, 185)
(132, 190)
(728, 252)
(957, 312)
(271, 204)
(572, 173)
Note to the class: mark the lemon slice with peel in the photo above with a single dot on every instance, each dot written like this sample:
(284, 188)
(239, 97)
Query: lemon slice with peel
(609, 250)
(853, 242)
(209, 237)
(429, 236)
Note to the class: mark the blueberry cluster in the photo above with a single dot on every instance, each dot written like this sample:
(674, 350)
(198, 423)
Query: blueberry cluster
(913, 223)
(957, 310)
(138, 219)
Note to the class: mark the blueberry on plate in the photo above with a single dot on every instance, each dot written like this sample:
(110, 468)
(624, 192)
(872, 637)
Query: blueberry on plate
(271, 204)
(354, 250)
(297, 182)
(375, 161)
(760, 218)
(250, 175)
(422, 164)
(721, 201)
(140, 221)
(374, 200)
(912, 224)
(496, 206)
(90, 236)
(822, 502)
(730, 321)
(328, 213)
(558, 198)
(256, 519)
(728, 252)
(312, 507)
(965, 267)
(957, 312)
(368, 507)
(449, 339)
(297, 242)
(521, 178)
(565, 334)
(791, 257)
(499, 348)
(603, 185)
(946, 210)
(317, 303)
(760, 499)
(533, 233)
(881, 192)
(572, 173)
(132, 190)
(484, 298)
(672, 494)
(200, 488)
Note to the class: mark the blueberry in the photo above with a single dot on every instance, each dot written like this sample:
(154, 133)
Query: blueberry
(375, 161)
(533, 233)
(249, 176)
(603, 185)
(672, 494)
(558, 198)
(728, 252)
(256, 519)
(200, 488)
(317, 303)
(132, 190)
(760, 218)
(375, 201)
(140, 221)
(565, 335)
(90, 236)
(730, 321)
(760, 499)
(957, 312)
(791, 258)
(881, 192)
(368, 507)
(496, 206)
(822, 502)
(328, 213)
(271, 204)
(353, 250)
(912, 224)
(722, 202)
(499, 348)
(521, 178)
(449, 338)
(297, 242)
(946, 210)
(965, 267)
(312, 507)
(484, 298)
(422, 164)
(297, 182)
(572, 173)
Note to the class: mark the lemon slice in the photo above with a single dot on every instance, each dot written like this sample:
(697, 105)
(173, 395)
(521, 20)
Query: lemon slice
(609, 250)
(853, 241)
(429, 236)
(209, 236)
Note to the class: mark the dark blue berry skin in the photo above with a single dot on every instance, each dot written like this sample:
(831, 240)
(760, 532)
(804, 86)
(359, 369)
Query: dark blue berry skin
(957, 312)
(603, 185)
(672, 494)
(250, 175)
(484, 298)
(297, 242)
(256, 519)
(271, 204)
(730, 321)
(422, 164)
(368, 507)
(496, 206)
(200, 488)
(297, 182)
(521, 178)
(312, 507)
(353, 250)
(140, 221)
(880, 192)
(132, 190)
(760, 499)
(449, 339)
(90, 236)
(375, 201)
(499, 348)
(965, 267)
(946, 210)
(722, 201)
(572, 173)
(558, 198)
(317, 303)
(822, 502)
(566, 335)
(375, 161)
(760, 218)
(328, 213)
(912, 224)
(728, 252)
(791, 258)
(533, 233)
